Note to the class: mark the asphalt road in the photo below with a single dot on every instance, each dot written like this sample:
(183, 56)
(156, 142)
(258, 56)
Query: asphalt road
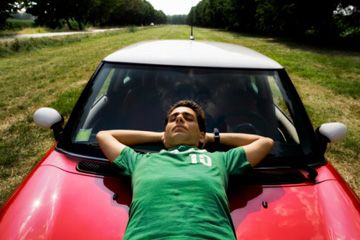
(53, 34)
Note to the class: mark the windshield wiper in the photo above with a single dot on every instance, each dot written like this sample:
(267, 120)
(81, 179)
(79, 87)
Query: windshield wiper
(312, 173)
(292, 155)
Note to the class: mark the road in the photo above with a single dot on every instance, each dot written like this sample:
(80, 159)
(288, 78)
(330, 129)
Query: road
(53, 34)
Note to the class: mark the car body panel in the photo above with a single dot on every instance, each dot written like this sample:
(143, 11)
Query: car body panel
(319, 211)
(194, 54)
(58, 202)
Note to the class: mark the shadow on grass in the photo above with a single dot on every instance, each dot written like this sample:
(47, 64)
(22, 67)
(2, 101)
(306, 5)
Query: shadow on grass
(350, 47)
(329, 65)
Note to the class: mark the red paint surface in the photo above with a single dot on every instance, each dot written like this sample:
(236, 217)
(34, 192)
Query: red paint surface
(58, 202)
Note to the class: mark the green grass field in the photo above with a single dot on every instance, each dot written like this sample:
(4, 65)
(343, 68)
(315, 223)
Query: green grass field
(28, 26)
(53, 72)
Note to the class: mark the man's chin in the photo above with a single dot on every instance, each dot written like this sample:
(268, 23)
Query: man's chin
(179, 138)
(178, 143)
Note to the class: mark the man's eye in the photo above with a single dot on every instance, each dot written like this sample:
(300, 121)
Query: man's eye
(189, 117)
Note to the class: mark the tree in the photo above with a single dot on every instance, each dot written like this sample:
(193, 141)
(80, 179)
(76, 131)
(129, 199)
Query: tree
(348, 21)
(242, 15)
(159, 17)
(46, 11)
(78, 10)
(53, 13)
(201, 15)
(7, 7)
(101, 11)
(125, 12)
(280, 17)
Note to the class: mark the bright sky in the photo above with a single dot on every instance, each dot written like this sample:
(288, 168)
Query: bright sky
(173, 7)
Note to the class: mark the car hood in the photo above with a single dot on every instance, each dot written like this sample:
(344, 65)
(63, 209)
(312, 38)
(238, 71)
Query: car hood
(302, 211)
(58, 202)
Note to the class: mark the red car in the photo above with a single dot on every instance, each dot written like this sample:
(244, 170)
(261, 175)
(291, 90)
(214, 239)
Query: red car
(74, 193)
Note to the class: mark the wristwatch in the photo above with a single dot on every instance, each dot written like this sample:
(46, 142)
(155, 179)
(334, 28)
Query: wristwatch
(216, 136)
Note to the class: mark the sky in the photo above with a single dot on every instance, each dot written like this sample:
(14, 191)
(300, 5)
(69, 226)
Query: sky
(173, 7)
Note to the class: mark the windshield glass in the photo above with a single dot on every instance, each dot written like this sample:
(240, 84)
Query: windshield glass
(138, 97)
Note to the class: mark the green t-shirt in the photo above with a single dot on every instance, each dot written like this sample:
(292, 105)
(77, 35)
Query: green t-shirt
(180, 193)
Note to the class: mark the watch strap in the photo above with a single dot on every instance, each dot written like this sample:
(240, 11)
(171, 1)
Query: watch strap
(216, 136)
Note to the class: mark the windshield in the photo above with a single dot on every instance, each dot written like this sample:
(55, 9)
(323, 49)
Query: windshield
(138, 97)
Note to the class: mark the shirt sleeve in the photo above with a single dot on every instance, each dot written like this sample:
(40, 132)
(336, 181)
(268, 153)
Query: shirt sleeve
(127, 160)
(236, 161)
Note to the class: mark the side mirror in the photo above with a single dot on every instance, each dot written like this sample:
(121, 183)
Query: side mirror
(333, 131)
(330, 132)
(49, 118)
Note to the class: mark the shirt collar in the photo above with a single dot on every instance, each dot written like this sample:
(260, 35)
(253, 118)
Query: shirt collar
(183, 149)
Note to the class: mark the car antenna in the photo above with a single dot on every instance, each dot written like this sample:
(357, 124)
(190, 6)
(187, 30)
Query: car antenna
(192, 11)
(191, 34)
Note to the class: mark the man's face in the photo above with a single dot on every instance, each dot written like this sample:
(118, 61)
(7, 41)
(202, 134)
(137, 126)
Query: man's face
(182, 128)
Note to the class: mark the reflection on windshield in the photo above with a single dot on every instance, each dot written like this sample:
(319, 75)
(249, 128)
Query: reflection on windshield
(137, 97)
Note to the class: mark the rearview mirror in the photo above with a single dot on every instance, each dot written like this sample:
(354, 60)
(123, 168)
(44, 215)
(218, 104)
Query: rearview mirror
(49, 118)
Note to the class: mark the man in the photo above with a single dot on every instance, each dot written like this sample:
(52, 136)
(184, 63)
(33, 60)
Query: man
(180, 193)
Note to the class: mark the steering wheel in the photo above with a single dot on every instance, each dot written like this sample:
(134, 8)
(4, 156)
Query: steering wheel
(246, 121)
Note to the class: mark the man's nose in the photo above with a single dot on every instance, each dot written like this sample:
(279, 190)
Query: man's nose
(180, 118)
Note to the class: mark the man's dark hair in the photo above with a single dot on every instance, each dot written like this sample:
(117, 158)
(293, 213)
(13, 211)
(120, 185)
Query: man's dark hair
(200, 114)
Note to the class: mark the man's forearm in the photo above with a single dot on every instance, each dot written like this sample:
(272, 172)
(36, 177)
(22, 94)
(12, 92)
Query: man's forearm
(256, 147)
(233, 139)
(134, 137)
(113, 142)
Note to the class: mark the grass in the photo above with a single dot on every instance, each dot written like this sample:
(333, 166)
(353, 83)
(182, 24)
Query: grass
(8, 48)
(28, 26)
(53, 72)
(32, 30)
(18, 24)
(15, 26)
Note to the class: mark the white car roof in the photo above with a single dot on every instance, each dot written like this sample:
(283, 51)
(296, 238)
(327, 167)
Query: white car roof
(192, 53)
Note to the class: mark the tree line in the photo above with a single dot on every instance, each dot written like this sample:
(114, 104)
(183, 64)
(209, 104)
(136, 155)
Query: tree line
(7, 7)
(177, 19)
(330, 19)
(56, 13)
(319, 19)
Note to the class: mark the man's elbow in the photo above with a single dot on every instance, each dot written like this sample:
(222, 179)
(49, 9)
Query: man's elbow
(101, 136)
(103, 133)
(257, 151)
(269, 143)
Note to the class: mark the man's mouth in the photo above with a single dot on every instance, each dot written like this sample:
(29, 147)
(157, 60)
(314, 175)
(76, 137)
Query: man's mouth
(179, 129)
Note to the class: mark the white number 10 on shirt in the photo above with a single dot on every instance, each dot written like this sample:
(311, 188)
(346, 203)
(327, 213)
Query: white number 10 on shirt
(202, 158)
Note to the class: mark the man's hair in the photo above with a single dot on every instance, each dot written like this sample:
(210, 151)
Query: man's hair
(200, 114)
